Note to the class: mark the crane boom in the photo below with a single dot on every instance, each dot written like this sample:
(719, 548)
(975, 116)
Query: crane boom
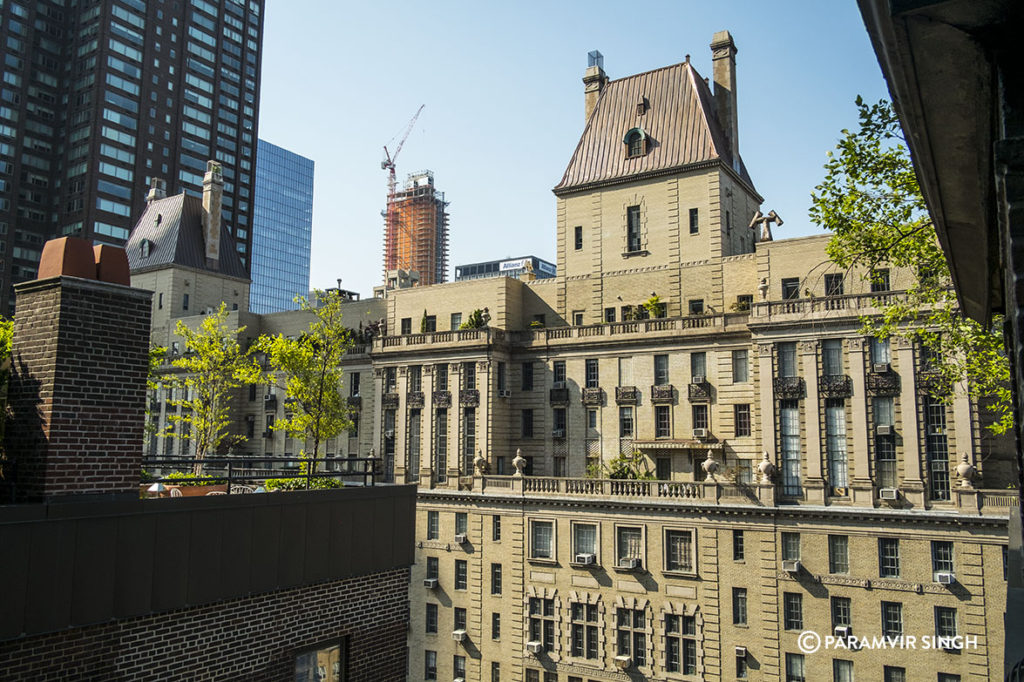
(388, 163)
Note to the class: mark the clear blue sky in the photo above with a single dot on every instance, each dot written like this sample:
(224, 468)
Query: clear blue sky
(504, 105)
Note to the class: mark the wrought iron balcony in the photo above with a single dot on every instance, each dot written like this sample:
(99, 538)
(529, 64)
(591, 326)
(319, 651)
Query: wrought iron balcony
(883, 383)
(389, 400)
(664, 393)
(593, 396)
(289, 405)
(627, 395)
(559, 396)
(835, 386)
(929, 381)
(414, 399)
(442, 399)
(270, 403)
(789, 388)
(700, 392)
(469, 397)
(355, 401)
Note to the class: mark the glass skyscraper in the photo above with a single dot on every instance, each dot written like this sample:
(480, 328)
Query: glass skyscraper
(282, 229)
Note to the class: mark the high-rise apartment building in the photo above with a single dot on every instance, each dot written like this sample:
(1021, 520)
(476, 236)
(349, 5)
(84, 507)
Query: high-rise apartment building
(416, 230)
(99, 97)
(282, 229)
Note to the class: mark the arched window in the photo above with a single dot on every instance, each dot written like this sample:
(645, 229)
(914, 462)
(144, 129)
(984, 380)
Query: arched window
(636, 142)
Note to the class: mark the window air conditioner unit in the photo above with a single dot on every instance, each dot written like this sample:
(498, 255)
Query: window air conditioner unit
(842, 631)
(459, 635)
(623, 662)
(700, 433)
(389, 434)
(741, 652)
(630, 564)
(430, 583)
(945, 578)
(558, 384)
(459, 679)
(585, 559)
(880, 367)
(268, 397)
(534, 647)
(697, 379)
(505, 394)
(460, 538)
(791, 565)
(558, 433)
(888, 494)
(883, 430)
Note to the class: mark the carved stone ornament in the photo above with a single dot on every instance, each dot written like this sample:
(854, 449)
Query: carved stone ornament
(480, 465)
(808, 347)
(710, 466)
(765, 349)
(855, 344)
(402, 370)
(519, 462)
(966, 471)
(767, 470)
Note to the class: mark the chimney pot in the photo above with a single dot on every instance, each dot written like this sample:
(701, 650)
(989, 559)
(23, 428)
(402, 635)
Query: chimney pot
(594, 80)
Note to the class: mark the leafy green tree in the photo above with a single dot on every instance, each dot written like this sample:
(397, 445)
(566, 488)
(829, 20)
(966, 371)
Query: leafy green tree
(871, 202)
(157, 356)
(623, 467)
(309, 370)
(474, 321)
(206, 377)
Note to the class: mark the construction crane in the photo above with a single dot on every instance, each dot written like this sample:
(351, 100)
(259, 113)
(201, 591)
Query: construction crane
(388, 163)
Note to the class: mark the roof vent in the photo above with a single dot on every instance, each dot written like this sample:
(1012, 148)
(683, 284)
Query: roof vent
(641, 106)
(159, 218)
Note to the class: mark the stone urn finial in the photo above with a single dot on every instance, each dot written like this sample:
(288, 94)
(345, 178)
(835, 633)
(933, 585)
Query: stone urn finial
(767, 469)
(480, 464)
(519, 462)
(710, 466)
(966, 471)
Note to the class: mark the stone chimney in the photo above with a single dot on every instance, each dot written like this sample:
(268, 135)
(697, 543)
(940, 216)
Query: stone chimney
(213, 194)
(723, 59)
(594, 80)
(157, 190)
(79, 360)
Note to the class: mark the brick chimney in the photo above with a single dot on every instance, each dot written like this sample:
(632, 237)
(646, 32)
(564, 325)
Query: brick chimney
(213, 193)
(594, 80)
(723, 60)
(79, 360)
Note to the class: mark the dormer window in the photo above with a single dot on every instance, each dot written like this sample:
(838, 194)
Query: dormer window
(145, 245)
(636, 143)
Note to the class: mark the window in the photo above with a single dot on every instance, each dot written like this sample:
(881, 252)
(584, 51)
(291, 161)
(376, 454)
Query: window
(495, 578)
(885, 443)
(936, 448)
(532, 675)
(459, 622)
(880, 351)
(578, 237)
(558, 371)
(834, 284)
(835, 445)
(694, 221)
(832, 357)
(455, 321)
(790, 546)
(787, 359)
(459, 666)
(744, 302)
(431, 625)
(584, 539)
(945, 621)
(635, 143)
(323, 664)
(495, 626)
(738, 550)
(626, 421)
(795, 668)
(432, 567)
(577, 318)
(406, 323)
(353, 389)
(680, 644)
(583, 631)
(741, 666)
(894, 674)
(660, 370)
(469, 375)
(184, 302)
(430, 665)
(679, 551)
(739, 606)
(700, 416)
(609, 315)
(696, 306)
(888, 558)
(592, 373)
(460, 574)
(527, 423)
(842, 671)
(461, 523)
(841, 612)
(790, 287)
(838, 554)
(633, 243)
(662, 421)
(415, 383)
(663, 468)
(741, 420)
(789, 435)
(527, 376)
(740, 367)
(892, 619)
(948, 677)
(793, 610)
(631, 635)
(433, 524)
(942, 557)
(558, 422)
(542, 540)
(879, 280)
(542, 622)
(629, 544)
(698, 365)
(496, 528)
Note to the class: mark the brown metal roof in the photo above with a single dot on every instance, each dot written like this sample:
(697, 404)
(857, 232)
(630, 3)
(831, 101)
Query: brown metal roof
(679, 121)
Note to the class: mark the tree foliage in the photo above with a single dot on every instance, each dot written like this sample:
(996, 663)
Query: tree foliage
(205, 378)
(623, 467)
(309, 370)
(871, 202)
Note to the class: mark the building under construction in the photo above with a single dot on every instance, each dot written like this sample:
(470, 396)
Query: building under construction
(416, 230)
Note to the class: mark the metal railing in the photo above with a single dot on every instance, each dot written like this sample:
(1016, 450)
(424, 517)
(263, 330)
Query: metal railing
(236, 472)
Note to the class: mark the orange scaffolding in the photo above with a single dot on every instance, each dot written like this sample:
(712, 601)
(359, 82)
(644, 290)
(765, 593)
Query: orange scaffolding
(416, 230)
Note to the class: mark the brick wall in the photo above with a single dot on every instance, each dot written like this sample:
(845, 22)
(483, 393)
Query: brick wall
(253, 638)
(78, 387)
